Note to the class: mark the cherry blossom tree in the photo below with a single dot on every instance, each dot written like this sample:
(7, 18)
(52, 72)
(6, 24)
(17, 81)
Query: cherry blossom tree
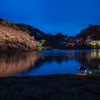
(14, 39)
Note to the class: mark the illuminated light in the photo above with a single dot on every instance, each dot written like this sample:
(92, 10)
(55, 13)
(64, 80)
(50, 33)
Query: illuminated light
(90, 72)
(82, 74)
(99, 54)
(94, 53)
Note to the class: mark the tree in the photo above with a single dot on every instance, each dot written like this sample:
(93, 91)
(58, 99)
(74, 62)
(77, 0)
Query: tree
(24, 28)
(15, 27)
(90, 25)
(4, 23)
(1, 20)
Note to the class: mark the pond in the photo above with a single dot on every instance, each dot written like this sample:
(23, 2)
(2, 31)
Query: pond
(48, 62)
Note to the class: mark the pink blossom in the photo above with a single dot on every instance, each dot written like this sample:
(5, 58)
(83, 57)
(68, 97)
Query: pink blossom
(13, 39)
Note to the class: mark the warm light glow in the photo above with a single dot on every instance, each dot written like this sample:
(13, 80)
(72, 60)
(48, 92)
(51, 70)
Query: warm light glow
(90, 72)
(82, 74)
(95, 54)
(95, 42)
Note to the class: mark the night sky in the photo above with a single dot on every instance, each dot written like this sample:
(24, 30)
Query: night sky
(52, 16)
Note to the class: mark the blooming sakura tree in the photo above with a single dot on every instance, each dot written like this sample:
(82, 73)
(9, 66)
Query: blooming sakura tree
(13, 39)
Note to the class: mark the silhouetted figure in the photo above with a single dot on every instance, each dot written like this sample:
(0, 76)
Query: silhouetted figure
(82, 69)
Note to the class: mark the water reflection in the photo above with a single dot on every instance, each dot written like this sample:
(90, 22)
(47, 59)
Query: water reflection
(90, 59)
(48, 62)
(87, 58)
(13, 63)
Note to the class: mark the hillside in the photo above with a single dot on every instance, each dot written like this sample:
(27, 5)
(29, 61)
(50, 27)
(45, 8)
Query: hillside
(92, 30)
(50, 40)
(58, 40)
(23, 27)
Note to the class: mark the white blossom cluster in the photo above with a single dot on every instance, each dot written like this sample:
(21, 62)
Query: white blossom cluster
(13, 39)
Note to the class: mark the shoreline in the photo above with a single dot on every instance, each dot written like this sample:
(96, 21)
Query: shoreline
(43, 48)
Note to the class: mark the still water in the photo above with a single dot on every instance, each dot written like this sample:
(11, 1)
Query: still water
(48, 62)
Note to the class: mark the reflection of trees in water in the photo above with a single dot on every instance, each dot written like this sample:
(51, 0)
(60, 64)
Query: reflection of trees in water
(40, 60)
(58, 59)
(87, 59)
(90, 59)
(13, 63)
(49, 58)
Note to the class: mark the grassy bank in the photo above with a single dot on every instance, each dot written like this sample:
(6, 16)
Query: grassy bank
(51, 87)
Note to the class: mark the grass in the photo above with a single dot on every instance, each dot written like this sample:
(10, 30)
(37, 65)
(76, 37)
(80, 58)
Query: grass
(73, 82)
(73, 90)
(94, 88)
(6, 94)
(36, 93)
(73, 77)
(51, 87)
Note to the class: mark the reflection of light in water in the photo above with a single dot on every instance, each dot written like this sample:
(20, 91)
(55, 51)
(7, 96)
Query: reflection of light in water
(88, 56)
(70, 55)
(95, 54)
(47, 63)
(13, 63)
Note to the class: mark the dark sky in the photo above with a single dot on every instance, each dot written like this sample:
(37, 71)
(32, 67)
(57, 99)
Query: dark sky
(52, 16)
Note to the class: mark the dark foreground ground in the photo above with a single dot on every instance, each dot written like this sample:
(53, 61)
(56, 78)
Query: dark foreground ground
(50, 87)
